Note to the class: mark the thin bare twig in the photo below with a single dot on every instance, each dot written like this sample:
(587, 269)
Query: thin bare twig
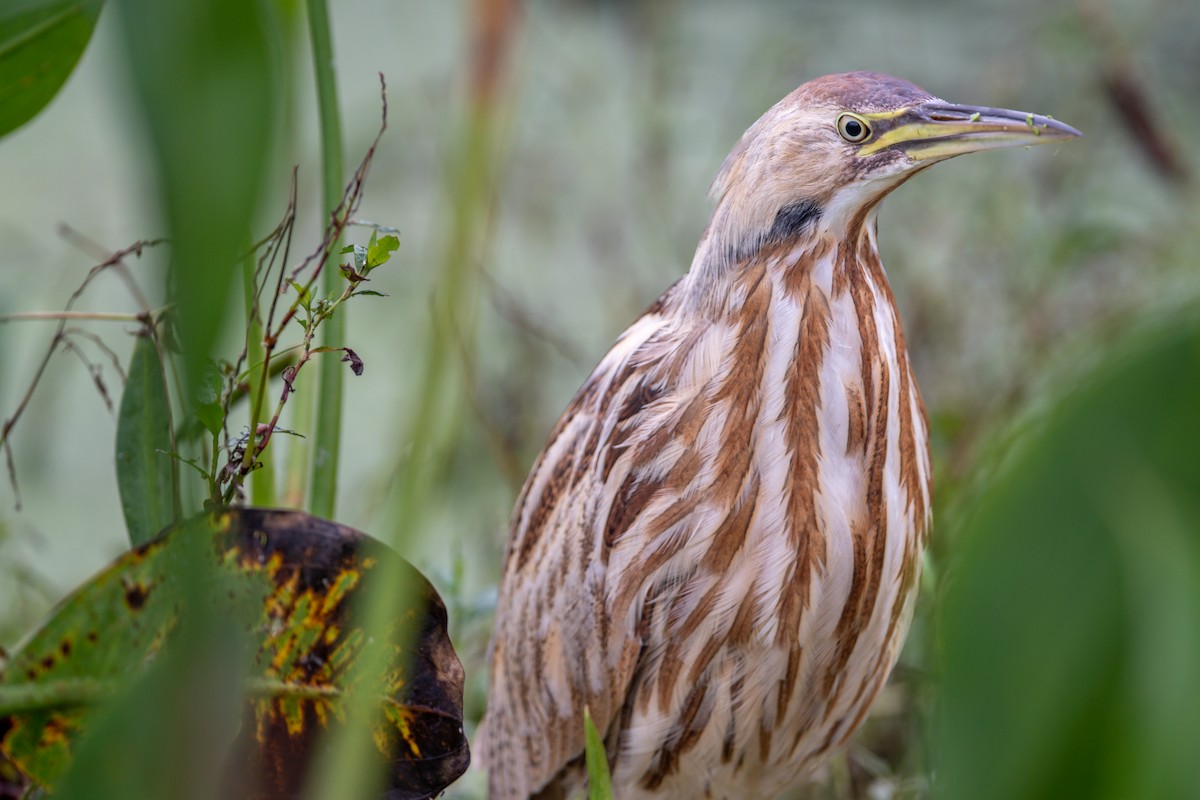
(92, 316)
(98, 252)
(351, 198)
(243, 462)
(92, 368)
(57, 340)
(12, 473)
(113, 358)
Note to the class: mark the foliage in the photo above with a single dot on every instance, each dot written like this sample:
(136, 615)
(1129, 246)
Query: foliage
(329, 409)
(209, 130)
(131, 687)
(289, 581)
(40, 43)
(146, 476)
(146, 439)
(621, 117)
(1069, 638)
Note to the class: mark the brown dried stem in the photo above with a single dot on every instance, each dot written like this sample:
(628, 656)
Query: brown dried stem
(242, 463)
(60, 339)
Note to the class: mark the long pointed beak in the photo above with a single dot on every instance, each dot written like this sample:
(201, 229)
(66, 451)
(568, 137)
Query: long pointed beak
(938, 130)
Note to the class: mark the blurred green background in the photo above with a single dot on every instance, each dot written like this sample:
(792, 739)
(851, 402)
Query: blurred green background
(1014, 271)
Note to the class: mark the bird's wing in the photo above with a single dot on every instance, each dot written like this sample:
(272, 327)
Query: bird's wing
(557, 647)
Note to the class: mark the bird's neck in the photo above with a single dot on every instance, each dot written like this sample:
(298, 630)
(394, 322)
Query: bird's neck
(789, 241)
(798, 249)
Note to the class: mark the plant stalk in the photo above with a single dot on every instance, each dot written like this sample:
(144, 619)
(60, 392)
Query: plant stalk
(327, 433)
(346, 769)
(262, 482)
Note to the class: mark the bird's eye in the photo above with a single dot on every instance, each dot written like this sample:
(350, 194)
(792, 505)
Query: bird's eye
(853, 129)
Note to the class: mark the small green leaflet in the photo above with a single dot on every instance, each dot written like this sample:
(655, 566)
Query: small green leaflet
(378, 252)
(375, 254)
(305, 295)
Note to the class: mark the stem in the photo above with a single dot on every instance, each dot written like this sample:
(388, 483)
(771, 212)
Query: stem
(289, 380)
(346, 768)
(134, 249)
(161, 354)
(22, 698)
(17, 698)
(101, 316)
(262, 485)
(328, 429)
(214, 482)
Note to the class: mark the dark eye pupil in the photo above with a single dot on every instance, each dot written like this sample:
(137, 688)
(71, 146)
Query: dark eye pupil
(853, 128)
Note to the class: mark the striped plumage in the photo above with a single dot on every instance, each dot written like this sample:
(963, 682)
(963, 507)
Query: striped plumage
(718, 549)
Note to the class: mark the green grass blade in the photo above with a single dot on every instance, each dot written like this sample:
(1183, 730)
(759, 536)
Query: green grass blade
(599, 781)
(328, 432)
(206, 80)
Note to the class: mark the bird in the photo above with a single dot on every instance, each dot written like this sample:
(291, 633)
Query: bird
(717, 552)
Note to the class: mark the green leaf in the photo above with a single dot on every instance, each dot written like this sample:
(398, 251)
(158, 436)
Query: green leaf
(290, 581)
(206, 78)
(1071, 621)
(177, 697)
(380, 251)
(304, 293)
(145, 472)
(41, 41)
(599, 781)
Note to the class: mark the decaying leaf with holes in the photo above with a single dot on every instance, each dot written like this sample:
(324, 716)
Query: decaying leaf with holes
(296, 578)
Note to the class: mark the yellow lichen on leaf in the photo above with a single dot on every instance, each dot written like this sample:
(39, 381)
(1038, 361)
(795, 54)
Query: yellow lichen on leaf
(401, 719)
(344, 583)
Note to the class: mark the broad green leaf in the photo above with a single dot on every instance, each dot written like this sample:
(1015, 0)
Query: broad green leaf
(167, 731)
(41, 41)
(292, 580)
(1071, 621)
(145, 471)
(599, 781)
(176, 698)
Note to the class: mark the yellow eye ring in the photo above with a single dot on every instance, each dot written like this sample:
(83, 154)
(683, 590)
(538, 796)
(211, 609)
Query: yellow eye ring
(853, 128)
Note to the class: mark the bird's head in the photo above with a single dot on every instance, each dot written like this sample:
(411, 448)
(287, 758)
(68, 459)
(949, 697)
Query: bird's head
(824, 156)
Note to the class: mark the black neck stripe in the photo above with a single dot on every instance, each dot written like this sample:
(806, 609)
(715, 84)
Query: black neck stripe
(792, 219)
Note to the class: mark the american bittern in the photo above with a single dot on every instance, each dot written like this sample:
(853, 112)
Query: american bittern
(717, 550)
